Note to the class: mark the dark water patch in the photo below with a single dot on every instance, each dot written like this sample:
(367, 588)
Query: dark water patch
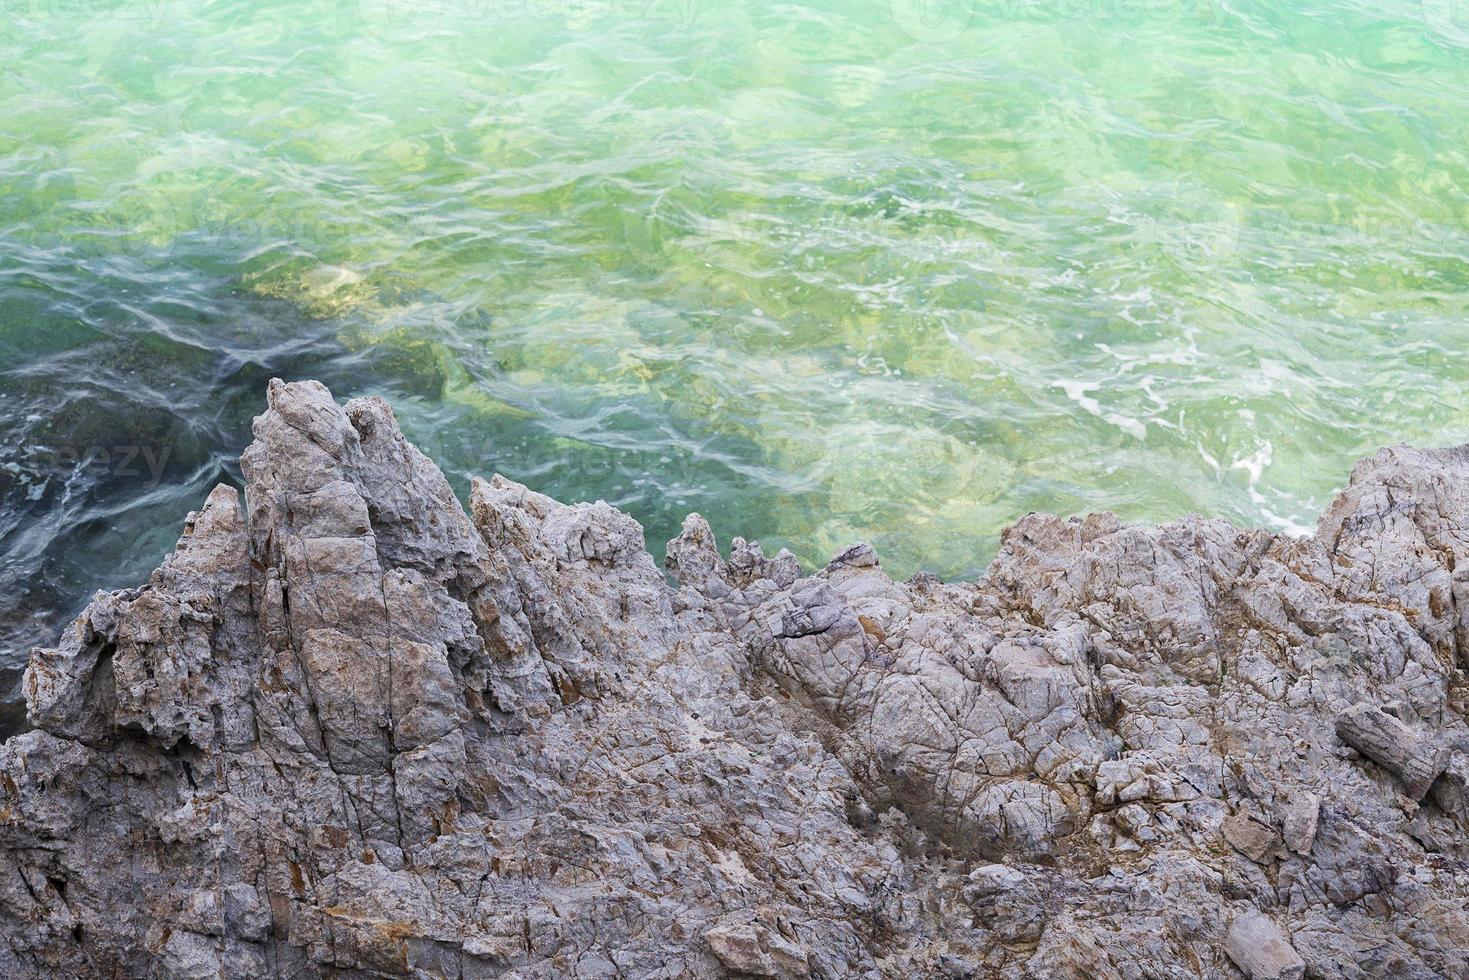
(118, 434)
(12, 705)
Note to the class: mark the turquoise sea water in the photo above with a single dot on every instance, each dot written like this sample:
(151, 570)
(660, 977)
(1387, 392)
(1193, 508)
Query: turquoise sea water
(823, 271)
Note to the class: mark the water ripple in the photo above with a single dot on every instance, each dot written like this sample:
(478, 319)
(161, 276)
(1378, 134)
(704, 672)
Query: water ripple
(820, 271)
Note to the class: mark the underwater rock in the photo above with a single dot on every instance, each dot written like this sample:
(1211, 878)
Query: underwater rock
(349, 729)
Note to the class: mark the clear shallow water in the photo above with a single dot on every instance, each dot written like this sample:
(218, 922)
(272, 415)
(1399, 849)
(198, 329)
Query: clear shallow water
(895, 271)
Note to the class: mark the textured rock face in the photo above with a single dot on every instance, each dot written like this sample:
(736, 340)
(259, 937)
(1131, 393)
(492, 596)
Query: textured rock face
(348, 730)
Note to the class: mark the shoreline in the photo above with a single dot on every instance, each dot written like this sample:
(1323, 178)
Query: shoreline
(357, 727)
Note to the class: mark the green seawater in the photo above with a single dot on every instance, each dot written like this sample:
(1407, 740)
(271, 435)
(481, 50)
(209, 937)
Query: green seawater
(892, 270)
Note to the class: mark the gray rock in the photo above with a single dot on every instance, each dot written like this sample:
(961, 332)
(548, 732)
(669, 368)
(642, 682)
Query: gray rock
(350, 729)
(1302, 816)
(1414, 759)
(1262, 951)
(1451, 790)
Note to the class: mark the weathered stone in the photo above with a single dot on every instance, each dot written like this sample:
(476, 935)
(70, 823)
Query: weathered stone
(1299, 826)
(739, 948)
(1250, 837)
(1261, 950)
(1416, 760)
(1451, 790)
(348, 729)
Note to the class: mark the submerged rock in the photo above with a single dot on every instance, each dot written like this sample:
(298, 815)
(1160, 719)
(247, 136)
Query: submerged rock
(348, 729)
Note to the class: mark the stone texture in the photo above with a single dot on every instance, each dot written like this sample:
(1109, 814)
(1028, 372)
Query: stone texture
(1250, 837)
(349, 729)
(1302, 816)
(1262, 951)
(1414, 758)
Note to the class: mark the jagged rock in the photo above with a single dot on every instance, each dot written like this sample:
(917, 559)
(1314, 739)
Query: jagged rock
(349, 729)
(1260, 949)
(1414, 759)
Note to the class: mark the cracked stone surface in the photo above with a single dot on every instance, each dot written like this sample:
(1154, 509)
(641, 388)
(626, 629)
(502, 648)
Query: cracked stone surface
(348, 729)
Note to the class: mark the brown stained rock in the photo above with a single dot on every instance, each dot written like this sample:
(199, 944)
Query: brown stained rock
(350, 729)
(1250, 837)
(739, 948)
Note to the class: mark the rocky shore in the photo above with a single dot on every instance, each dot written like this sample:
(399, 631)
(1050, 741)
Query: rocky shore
(349, 730)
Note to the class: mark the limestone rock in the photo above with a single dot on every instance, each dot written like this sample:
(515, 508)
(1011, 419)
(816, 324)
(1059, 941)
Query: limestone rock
(1302, 816)
(1260, 949)
(739, 949)
(1451, 790)
(1414, 758)
(749, 948)
(350, 729)
(1250, 837)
